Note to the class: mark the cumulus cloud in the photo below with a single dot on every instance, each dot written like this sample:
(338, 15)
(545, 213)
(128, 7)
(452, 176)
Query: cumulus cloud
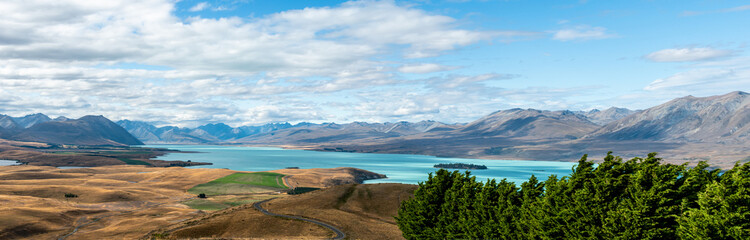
(686, 54)
(68, 58)
(582, 33)
(199, 7)
(424, 68)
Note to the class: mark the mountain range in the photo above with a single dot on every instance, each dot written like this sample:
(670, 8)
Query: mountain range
(688, 128)
(87, 130)
(527, 123)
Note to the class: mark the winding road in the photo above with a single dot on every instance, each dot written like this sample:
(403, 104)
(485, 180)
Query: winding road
(339, 233)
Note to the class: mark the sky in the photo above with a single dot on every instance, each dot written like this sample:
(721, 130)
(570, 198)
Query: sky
(250, 62)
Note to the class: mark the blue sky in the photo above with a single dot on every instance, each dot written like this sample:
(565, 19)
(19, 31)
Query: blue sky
(249, 62)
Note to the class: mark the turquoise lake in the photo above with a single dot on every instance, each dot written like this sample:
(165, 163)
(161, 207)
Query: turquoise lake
(400, 168)
(8, 162)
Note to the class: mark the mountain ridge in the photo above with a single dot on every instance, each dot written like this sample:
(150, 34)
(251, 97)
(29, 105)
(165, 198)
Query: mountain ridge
(87, 130)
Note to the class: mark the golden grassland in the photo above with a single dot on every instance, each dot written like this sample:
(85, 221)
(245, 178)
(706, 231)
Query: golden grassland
(132, 202)
(362, 211)
(126, 200)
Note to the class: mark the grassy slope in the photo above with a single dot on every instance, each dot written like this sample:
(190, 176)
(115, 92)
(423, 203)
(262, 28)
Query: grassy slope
(363, 211)
(133, 162)
(241, 183)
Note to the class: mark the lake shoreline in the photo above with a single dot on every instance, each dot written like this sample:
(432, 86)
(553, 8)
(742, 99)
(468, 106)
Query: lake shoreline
(400, 168)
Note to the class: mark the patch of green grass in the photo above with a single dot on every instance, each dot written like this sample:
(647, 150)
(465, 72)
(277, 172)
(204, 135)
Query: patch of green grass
(204, 204)
(241, 183)
(241, 202)
(213, 189)
(257, 178)
(133, 162)
(125, 152)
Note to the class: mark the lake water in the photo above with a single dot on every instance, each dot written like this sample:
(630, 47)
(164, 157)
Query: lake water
(8, 162)
(400, 168)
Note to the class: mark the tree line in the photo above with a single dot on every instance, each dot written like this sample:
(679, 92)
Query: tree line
(640, 198)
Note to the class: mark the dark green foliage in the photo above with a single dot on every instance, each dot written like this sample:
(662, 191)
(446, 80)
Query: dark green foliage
(202, 195)
(301, 190)
(636, 199)
(70, 195)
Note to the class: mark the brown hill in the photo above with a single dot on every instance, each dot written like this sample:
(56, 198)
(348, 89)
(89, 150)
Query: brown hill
(326, 177)
(131, 202)
(362, 211)
(125, 201)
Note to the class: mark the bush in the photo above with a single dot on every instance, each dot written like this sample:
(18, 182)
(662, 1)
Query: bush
(635, 199)
(202, 195)
(70, 195)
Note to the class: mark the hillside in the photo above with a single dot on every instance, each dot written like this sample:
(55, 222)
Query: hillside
(131, 202)
(278, 133)
(608, 115)
(529, 124)
(362, 211)
(209, 133)
(87, 130)
(7, 123)
(31, 120)
(718, 119)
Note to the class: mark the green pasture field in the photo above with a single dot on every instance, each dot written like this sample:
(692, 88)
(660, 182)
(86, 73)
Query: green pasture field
(241, 183)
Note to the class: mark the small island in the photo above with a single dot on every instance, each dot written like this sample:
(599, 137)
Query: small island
(460, 166)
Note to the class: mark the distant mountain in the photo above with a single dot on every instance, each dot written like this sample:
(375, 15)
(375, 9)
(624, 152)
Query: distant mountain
(31, 119)
(278, 133)
(149, 133)
(607, 116)
(87, 130)
(7, 122)
(685, 128)
(530, 124)
(724, 118)
(326, 133)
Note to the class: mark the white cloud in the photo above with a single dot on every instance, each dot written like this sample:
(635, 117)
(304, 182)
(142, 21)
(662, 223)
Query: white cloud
(199, 7)
(705, 79)
(686, 54)
(67, 57)
(692, 77)
(725, 10)
(424, 68)
(582, 33)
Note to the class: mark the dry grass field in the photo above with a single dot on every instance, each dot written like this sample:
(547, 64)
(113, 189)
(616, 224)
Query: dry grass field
(325, 177)
(132, 202)
(126, 200)
(362, 211)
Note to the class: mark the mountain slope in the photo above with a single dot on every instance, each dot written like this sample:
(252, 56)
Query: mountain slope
(724, 118)
(309, 133)
(7, 122)
(87, 130)
(530, 124)
(31, 119)
(607, 116)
